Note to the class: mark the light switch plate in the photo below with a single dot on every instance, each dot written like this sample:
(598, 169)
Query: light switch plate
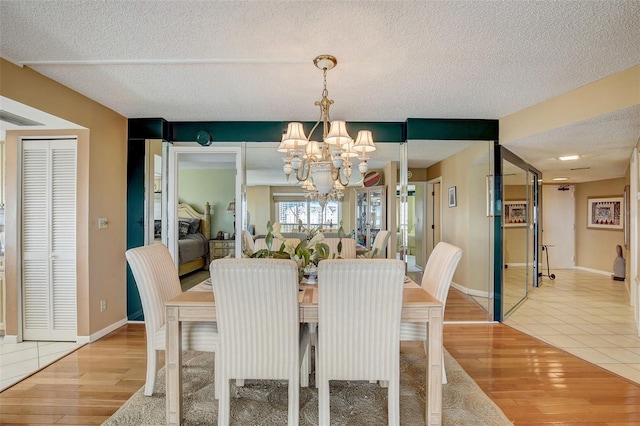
(103, 223)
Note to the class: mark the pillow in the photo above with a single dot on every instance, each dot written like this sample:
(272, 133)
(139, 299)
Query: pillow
(183, 228)
(194, 224)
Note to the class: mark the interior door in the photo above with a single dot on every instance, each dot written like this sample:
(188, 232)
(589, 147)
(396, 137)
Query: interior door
(558, 227)
(49, 240)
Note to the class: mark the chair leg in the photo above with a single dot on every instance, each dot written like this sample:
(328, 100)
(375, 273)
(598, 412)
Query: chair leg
(224, 401)
(294, 400)
(324, 417)
(217, 384)
(444, 373)
(152, 369)
(305, 367)
(394, 401)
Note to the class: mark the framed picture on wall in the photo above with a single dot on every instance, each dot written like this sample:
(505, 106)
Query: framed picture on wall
(605, 213)
(453, 197)
(515, 213)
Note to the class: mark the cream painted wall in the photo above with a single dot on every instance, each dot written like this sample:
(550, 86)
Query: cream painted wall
(260, 207)
(613, 93)
(467, 225)
(515, 238)
(102, 189)
(199, 186)
(596, 248)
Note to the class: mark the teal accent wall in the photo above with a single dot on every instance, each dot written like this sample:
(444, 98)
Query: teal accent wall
(452, 129)
(271, 131)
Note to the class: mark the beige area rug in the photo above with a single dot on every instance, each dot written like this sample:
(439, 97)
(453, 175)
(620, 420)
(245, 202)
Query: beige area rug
(352, 403)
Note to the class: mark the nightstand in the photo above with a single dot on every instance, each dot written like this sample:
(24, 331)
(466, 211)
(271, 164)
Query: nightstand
(221, 248)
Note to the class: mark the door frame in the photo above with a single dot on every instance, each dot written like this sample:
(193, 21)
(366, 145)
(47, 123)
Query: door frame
(429, 242)
(19, 226)
(172, 191)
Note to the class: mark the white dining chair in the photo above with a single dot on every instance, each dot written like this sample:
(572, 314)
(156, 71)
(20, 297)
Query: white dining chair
(436, 279)
(348, 248)
(157, 280)
(359, 308)
(247, 241)
(259, 327)
(379, 246)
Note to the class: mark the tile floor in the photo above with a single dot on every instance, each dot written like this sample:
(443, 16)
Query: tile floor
(19, 360)
(587, 315)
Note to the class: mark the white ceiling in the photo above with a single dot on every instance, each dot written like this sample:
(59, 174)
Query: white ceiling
(226, 61)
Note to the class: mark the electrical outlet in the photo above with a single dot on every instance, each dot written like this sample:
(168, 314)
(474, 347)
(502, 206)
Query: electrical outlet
(103, 223)
(103, 305)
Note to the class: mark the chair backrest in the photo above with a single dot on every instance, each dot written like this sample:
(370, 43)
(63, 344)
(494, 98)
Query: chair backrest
(348, 247)
(247, 240)
(439, 270)
(380, 243)
(275, 244)
(359, 308)
(157, 280)
(257, 315)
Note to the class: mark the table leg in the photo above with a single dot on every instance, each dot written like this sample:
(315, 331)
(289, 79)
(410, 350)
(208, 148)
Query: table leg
(434, 367)
(173, 362)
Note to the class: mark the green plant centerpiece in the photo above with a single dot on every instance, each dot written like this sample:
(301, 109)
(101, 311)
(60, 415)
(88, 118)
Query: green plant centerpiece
(306, 253)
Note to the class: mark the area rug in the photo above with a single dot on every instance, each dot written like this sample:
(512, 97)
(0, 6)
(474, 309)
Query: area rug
(352, 403)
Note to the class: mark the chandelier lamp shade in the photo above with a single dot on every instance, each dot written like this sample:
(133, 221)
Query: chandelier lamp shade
(324, 167)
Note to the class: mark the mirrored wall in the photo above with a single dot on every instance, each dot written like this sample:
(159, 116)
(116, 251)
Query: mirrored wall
(521, 248)
(448, 191)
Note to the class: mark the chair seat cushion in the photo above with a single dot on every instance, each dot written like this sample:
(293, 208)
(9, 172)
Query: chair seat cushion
(196, 336)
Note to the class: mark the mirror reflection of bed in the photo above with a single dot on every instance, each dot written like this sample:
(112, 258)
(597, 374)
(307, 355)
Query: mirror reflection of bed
(193, 242)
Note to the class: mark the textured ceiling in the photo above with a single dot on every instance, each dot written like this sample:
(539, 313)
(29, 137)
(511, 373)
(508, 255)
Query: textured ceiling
(210, 60)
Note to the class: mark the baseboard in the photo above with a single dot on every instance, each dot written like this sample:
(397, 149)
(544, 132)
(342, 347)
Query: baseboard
(10, 339)
(594, 271)
(101, 333)
(469, 291)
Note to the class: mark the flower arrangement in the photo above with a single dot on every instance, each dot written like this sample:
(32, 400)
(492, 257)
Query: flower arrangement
(307, 253)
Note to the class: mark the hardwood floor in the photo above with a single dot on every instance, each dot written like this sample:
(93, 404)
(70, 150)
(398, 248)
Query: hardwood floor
(535, 383)
(83, 388)
(531, 381)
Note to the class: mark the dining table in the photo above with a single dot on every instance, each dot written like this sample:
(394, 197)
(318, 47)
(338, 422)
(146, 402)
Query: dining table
(198, 304)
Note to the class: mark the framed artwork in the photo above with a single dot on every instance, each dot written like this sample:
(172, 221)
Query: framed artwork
(515, 213)
(453, 197)
(605, 213)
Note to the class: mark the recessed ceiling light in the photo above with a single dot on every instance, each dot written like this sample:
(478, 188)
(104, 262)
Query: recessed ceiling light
(569, 157)
(560, 178)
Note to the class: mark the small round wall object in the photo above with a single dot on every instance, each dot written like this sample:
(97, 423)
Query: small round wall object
(203, 138)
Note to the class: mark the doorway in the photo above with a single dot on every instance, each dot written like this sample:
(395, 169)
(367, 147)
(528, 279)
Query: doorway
(195, 175)
(558, 227)
(520, 230)
(48, 241)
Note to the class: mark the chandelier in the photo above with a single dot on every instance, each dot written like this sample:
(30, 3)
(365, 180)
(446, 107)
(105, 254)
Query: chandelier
(324, 168)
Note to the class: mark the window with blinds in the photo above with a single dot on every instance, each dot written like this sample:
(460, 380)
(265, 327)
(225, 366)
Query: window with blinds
(291, 210)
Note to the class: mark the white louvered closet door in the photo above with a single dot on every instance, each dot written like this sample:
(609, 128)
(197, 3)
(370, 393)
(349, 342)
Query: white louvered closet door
(49, 239)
